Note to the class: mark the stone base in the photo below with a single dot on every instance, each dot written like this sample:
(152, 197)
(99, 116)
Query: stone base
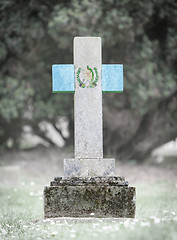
(109, 197)
(89, 167)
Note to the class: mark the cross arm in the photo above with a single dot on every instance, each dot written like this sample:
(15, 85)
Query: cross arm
(112, 78)
(63, 78)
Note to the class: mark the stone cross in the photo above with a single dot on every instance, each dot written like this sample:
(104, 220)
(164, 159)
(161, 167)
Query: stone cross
(89, 187)
(87, 79)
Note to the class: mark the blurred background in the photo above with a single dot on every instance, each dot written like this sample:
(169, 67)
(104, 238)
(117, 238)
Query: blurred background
(141, 35)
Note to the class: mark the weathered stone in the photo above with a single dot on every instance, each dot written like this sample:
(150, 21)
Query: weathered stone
(89, 167)
(89, 187)
(89, 201)
(88, 101)
(98, 181)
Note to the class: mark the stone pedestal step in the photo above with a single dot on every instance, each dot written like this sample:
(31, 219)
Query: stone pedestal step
(95, 196)
(93, 181)
(89, 167)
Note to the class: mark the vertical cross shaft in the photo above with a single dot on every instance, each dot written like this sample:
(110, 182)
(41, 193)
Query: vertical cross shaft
(88, 78)
(88, 101)
(88, 159)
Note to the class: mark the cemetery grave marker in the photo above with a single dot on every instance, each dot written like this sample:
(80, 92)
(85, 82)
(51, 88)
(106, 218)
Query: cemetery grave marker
(89, 184)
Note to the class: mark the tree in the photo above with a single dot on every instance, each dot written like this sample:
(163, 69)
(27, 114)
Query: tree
(141, 35)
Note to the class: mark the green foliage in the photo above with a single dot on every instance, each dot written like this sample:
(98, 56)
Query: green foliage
(15, 95)
(127, 31)
(36, 34)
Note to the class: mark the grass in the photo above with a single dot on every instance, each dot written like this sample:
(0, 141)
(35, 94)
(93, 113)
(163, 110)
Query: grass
(21, 207)
(21, 216)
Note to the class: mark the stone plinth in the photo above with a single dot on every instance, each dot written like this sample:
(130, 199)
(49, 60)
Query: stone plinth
(74, 167)
(89, 197)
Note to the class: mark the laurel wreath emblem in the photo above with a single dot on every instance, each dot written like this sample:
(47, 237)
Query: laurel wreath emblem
(92, 80)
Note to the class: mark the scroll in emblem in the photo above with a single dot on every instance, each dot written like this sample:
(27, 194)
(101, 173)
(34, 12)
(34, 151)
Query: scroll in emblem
(87, 78)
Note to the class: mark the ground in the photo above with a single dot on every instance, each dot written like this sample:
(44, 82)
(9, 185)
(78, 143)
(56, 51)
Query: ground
(24, 174)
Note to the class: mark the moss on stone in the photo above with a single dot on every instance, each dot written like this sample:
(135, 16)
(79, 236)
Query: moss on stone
(81, 201)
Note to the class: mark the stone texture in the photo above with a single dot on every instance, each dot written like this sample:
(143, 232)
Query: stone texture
(91, 200)
(88, 101)
(94, 181)
(88, 167)
(89, 187)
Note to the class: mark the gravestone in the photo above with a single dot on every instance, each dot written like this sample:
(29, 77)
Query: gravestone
(89, 187)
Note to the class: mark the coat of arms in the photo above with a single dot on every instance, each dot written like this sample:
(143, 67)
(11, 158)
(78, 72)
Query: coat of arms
(87, 78)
